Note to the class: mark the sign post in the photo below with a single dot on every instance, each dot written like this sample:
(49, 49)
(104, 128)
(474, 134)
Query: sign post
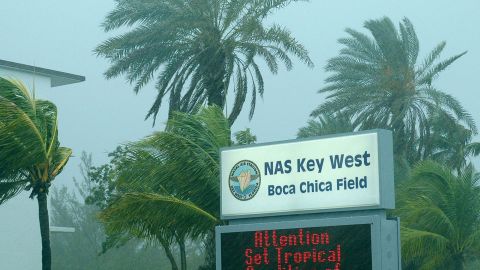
(309, 204)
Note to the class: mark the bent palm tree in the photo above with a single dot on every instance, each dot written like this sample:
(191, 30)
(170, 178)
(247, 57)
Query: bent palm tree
(198, 50)
(173, 178)
(30, 153)
(379, 83)
(440, 215)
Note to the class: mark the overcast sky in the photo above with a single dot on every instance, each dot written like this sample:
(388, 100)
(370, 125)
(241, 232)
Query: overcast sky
(97, 115)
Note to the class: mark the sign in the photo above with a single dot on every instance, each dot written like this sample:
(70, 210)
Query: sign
(354, 242)
(335, 173)
(320, 248)
(266, 187)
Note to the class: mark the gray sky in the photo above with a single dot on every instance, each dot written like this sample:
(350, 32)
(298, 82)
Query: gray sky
(97, 115)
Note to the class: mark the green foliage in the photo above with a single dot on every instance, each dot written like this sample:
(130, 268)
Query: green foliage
(174, 170)
(451, 143)
(245, 137)
(473, 265)
(198, 50)
(83, 249)
(29, 148)
(378, 83)
(326, 124)
(139, 210)
(440, 214)
(103, 187)
(171, 178)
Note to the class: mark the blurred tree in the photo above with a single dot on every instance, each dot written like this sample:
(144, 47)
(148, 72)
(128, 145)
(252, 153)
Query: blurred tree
(440, 215)
(450, 143)
(87, 248)
(83, 248)
(30, 153)
(326, 124)
(202, 48)
(244, 137)
(102, 187)
(473, 265)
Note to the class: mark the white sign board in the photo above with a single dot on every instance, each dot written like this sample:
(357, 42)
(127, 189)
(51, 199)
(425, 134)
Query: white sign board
(345, 172)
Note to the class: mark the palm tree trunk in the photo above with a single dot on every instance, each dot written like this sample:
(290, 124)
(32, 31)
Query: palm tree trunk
(169, 253)
(399, 135)
(215, 76)
(44, 231)
(210, 262)
(183, 256)
(216, 88)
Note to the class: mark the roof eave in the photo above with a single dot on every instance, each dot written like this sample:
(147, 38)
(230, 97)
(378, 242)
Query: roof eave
(57, 78)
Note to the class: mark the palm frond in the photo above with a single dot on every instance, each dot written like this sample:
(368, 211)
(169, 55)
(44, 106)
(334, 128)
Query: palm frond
(175, 168)
(11, 186)
(29, 146)
(440, 215)
(152, 210)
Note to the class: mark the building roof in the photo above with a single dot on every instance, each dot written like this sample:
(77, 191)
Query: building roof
(57, 78)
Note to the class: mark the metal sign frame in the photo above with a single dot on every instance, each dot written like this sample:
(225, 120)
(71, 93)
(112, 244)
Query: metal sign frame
(384, 234)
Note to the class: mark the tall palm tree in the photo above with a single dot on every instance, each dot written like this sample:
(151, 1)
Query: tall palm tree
(30, 153)
(440, 215)
(380, 84)
(173, 178)
(198, 50)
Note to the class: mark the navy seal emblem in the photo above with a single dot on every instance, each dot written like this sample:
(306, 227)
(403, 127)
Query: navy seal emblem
(244, 180)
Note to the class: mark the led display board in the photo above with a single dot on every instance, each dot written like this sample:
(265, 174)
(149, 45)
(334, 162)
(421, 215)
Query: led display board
(335, 173)
(344, 243)
(320, 248)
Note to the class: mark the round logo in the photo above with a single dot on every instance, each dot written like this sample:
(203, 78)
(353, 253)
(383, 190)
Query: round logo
(244, 180)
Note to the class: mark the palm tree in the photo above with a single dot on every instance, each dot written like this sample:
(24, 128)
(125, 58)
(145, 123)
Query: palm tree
(326, 124)
(30, 153)
(378, 82)
(198, 50)
(451, 143)
(173, 178)
(244, 137)
(440, 215)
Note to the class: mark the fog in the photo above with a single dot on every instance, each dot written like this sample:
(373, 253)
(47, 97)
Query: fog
(99, 114)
